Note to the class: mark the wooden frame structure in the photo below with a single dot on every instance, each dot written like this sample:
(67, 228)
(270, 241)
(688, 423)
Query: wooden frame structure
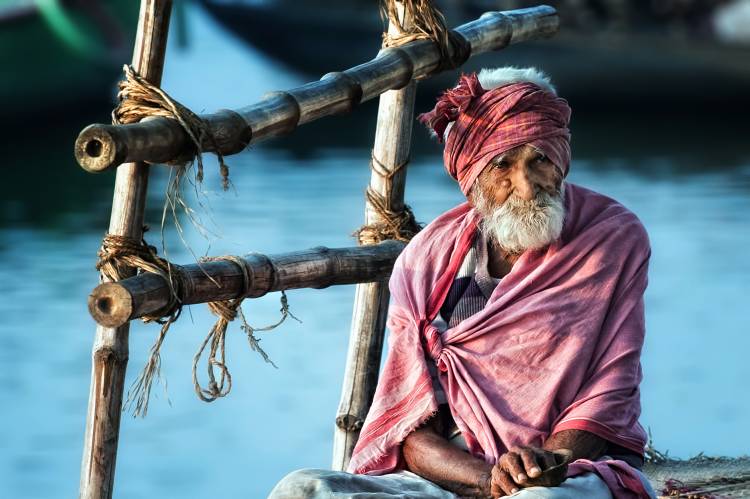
(110, 351)
(129, 148)
(391, 151)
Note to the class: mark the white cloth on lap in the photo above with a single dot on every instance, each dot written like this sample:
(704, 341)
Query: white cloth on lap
(325, 484)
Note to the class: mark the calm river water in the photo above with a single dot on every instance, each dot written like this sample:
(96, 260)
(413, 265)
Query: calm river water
(691, 191)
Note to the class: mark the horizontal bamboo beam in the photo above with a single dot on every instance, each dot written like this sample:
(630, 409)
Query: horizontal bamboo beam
(113, 304)
(157, 140)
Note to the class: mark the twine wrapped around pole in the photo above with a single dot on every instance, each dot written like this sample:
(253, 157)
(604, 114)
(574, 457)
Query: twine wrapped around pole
(118, 253)
(140, 99)
(419, 19)
(397, 225)
(110, 348)
(425, 22)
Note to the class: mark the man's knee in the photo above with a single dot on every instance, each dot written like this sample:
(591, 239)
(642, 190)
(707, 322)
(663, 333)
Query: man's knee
(588, 485)
(301, 483)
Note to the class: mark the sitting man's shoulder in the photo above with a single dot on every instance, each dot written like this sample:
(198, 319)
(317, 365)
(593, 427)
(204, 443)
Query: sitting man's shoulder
(589, 212)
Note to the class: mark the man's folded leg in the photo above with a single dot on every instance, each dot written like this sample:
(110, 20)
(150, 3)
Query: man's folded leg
(323, 484)
(587, 485)
(320, 484)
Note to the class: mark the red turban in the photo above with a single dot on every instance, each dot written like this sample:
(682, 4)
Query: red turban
(489, 122)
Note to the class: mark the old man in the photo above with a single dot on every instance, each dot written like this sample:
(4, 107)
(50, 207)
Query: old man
(516, 323)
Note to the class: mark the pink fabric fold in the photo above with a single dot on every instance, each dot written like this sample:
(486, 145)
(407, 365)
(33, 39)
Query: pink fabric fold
(557, 346)
(621, 479)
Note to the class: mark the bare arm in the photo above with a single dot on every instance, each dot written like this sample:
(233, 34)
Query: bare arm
(583, 444)
(586, 445)
(429, 454)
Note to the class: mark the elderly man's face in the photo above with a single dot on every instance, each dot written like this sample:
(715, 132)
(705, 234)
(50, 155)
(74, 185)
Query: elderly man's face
(522, 171)
(519, 196)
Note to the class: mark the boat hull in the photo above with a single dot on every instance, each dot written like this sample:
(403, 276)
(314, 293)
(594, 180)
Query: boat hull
(43, 71)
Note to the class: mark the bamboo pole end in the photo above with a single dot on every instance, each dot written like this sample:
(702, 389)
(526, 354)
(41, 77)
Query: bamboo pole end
(96, 148)
(110, 304)
(349, 422)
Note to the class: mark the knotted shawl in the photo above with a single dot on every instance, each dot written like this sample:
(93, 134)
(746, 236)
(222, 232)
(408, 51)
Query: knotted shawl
(556, 347)
(486, 123)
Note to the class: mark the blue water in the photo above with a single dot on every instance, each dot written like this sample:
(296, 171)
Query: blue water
(694, 206)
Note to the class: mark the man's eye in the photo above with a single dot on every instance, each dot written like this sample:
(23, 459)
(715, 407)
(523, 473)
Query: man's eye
(502, 164)
(541, 158)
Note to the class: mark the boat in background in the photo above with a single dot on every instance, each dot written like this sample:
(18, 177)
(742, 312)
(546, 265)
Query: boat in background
(59, 55)
(625, 52)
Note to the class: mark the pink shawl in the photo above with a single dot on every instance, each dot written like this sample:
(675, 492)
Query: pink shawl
(557, 346)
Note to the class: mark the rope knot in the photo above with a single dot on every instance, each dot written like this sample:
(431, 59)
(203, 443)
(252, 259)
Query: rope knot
(434, 345)
(225, 310)
(399, 225)
(140, 99)
(117, 251)
(423, 21)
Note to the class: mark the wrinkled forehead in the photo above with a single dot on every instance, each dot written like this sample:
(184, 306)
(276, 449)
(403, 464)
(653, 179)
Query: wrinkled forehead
(519, 152)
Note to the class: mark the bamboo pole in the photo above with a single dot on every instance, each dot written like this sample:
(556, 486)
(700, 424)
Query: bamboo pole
(158, 140)
(115, 303)
(110, 350)
(391, 149)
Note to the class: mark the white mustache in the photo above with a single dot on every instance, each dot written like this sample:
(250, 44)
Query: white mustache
(519, 224)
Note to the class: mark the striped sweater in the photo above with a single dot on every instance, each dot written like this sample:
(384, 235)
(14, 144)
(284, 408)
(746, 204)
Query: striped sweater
(469, 293)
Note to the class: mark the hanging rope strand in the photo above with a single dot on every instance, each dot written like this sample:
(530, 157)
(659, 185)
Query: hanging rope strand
(140, 391)
(227, 311)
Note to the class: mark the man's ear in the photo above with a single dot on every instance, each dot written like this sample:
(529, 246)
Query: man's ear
(560, 178)
(471, 196)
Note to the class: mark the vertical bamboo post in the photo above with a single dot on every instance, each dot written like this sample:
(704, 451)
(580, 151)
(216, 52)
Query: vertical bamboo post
(110, 351)
(391, 149)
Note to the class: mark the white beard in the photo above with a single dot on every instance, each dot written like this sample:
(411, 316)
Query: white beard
(518, 225)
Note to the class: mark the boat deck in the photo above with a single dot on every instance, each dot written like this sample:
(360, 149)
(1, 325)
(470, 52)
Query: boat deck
(701, 477)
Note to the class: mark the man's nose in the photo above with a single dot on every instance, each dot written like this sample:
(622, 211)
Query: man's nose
(524, 184)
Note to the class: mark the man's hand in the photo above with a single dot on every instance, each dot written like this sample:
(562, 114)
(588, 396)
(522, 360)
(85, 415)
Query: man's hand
(528, 466)
(520, 466)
